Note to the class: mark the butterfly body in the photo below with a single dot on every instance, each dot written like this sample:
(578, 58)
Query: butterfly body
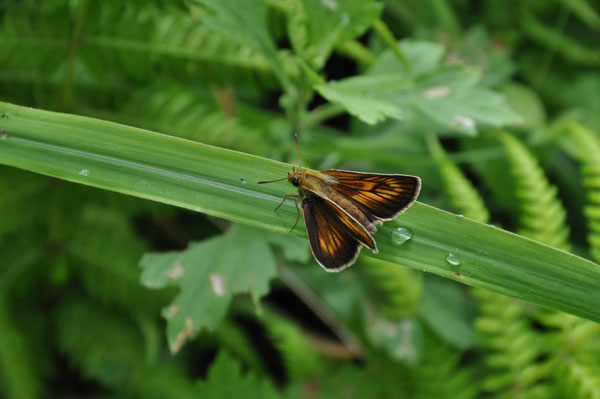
(341, 209)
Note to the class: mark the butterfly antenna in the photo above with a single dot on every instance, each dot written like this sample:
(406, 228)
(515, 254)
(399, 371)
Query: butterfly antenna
(298, 149)
(271, 181)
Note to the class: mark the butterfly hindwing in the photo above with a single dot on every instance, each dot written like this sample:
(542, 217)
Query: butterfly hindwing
(335, 238)
(380, 195)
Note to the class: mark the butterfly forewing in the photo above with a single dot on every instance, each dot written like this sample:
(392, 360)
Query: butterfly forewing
(332, 233)
(382, 196)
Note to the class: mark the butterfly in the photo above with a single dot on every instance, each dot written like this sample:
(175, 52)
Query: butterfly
(341, 209)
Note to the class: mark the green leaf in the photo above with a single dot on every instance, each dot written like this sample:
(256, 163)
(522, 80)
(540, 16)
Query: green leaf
(527, 103)
(448, 95)
(294, 249)
(244, 21)
(316, 27)
(207, 179)
(209, 273)
(359, 95)
(445, 309)
(225, 381)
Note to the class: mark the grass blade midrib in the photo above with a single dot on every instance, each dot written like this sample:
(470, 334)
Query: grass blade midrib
(222, 183)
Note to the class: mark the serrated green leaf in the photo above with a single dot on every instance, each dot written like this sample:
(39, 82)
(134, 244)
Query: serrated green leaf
(225, 381)
(359, 96)
(209, 273)
(446, 94)
(423, 57)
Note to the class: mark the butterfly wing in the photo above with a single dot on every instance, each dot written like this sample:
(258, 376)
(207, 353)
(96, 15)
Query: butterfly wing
(335, 237)
(380, 195)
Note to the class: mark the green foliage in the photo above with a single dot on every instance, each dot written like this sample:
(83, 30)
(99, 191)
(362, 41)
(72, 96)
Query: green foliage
(20, 377)
(300, 357)
(185, 113)
(512, 345)
(584, 146)
(446, 95)
(493, 104)
(316, 28)
(398, 289)
(462, 195)
(523, 357)
(109, 348)
(225, 380)
(209, 274)
(448, 312)
(541, 215)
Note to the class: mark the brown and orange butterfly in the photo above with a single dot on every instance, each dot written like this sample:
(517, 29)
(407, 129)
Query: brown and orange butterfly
(341, 209)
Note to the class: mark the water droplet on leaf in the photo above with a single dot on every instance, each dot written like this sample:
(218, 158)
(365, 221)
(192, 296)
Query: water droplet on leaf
(401, 235)
(453, 259)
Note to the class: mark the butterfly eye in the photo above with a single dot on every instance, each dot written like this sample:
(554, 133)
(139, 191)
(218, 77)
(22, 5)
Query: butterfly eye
(295, 181)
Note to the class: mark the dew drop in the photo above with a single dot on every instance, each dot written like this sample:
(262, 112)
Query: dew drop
(460, 216)
(401, 235)
(84, 172)
(453, 259)
(242, 180)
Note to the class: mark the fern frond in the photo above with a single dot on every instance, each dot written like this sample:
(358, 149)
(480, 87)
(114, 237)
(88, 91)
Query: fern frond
(571, 49)
(30, 45)
(22, 200)
(182, 112)
(120, 42)
(18, 374)
(541, 214)
(440, 372)
(462, 194)
(105, 345)
(299, 356)
(574, 365)
(584, 146)
(106, 254)
(580, 380)
(233, 338)
(398, 288)
(141, 40)
(109, 348)
(511, 346)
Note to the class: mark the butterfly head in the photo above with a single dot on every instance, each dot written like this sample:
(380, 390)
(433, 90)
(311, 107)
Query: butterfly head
(295, 175)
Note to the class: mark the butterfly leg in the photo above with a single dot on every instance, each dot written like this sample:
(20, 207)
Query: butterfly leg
(294, 196)
(296, 199)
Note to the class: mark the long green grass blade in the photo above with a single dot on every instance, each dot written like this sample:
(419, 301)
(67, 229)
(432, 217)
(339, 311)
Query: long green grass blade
(222, 183)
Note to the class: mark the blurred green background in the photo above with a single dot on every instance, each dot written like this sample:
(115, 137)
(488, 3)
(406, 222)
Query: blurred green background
(495, 105)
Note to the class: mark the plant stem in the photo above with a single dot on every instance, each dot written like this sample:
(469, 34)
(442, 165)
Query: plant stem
(388, 37)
